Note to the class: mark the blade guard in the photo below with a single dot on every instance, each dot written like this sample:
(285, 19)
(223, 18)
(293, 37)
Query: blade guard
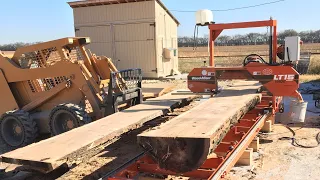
(203, 80)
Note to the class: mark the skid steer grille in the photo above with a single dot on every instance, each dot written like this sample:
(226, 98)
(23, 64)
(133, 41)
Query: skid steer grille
(124, 87)
(126, 79)
(47, 57)
(43, 58)
(39, 59)
(45, 84)
(75, 54)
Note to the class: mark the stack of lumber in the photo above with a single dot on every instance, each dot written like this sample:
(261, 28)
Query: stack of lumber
(46, 155)
(184, 143)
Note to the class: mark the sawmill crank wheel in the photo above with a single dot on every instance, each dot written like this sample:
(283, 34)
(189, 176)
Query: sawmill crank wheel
(317, 103)
(281, 108)
(253, 58)
(18, 129)
(65, 117)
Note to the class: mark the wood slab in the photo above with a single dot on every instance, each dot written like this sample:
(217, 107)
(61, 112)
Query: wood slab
(46, 155)
(183, 143)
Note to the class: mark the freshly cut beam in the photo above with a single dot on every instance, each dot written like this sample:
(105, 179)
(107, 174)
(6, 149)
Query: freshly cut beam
(47, 155)
(183, 143)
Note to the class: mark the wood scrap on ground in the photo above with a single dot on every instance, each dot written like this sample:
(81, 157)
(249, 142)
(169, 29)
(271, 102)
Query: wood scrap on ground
(183, 144)
(153, 90)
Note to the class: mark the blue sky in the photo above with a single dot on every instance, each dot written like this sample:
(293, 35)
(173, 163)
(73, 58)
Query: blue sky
(42, 20)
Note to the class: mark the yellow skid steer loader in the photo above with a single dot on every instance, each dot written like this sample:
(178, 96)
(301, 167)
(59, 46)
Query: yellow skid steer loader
(55, 86)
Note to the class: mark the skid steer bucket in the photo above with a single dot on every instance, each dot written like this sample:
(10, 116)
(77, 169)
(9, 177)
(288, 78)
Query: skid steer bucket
(124, 88)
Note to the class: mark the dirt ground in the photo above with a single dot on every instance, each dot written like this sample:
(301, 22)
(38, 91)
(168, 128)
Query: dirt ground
(278, 159)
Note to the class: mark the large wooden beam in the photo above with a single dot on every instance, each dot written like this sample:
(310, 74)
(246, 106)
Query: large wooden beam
(47, 155)
(183, 144)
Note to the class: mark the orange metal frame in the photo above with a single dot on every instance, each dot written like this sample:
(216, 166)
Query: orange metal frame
(242, 133)
(213, 168)
(264, 73)
(216, 29)
(279, 79)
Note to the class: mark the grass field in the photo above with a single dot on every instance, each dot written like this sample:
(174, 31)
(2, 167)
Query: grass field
(240, 50)
(189, 59)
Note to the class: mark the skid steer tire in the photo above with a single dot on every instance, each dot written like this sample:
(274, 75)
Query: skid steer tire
(66, 117)
(17, 129)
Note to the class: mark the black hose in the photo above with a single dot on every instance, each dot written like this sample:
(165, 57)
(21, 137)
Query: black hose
(195, 37)
(288, 54)
(294, 141)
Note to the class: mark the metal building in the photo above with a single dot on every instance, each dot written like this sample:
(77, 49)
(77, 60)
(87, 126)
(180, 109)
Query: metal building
(134, 33)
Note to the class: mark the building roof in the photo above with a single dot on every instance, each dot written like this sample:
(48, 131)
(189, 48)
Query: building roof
(86, 3)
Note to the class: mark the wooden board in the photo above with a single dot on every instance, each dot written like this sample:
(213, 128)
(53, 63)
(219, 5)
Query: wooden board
(183, 143)
(8, 54)
(156, 89)
(44, 156)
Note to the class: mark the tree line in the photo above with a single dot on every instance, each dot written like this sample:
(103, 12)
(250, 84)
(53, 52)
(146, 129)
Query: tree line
(250, 39)
(14, 46)
(223, 40)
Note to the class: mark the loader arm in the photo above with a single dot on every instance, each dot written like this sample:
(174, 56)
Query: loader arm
(70, 70)
(100, 64)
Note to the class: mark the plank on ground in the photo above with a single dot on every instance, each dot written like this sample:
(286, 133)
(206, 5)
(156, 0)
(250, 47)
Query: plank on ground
(183, 143)
(45, 155)
(157, 89)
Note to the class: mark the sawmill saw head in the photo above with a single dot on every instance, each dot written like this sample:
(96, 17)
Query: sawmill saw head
(278, 77)
(203, 80)
(282, 80)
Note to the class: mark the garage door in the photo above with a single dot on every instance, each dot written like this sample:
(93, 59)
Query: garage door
(101, 39)
(135, 47)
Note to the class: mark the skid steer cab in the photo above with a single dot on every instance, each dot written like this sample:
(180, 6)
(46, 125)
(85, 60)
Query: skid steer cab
(57, 86)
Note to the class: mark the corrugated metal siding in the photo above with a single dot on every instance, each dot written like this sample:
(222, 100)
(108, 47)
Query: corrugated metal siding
(116, 12)
(166, 38)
